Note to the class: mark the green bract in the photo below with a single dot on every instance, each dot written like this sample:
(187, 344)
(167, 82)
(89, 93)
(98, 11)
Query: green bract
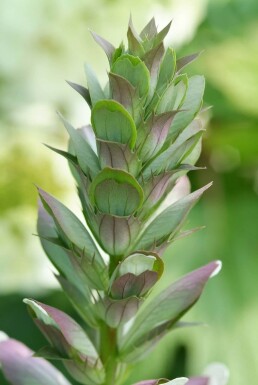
(145, 135)
(112, 123)
(116, 192)
(134, 71)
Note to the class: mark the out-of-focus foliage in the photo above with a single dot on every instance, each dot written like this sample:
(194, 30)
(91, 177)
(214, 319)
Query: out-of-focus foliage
(45, 42)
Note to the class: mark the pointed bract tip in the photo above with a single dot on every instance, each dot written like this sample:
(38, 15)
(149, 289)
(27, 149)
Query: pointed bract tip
(218, 373)
(32, 303)
(95, 35)
(46, 145)
(26, 301)
(36, 186)
(217, 269)
(3, 336)
(178, 381)
(209, 185)
(168, 26)
(71, 84)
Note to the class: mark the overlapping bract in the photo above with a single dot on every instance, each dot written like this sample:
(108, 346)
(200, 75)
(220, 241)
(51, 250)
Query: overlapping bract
(144, 134)
(21, 368)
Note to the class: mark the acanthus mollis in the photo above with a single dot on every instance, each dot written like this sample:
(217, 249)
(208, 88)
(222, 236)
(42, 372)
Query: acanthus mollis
(145, 134)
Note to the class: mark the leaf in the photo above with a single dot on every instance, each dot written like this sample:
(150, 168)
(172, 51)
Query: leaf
(49, 239)
(194, 154)
(156, 189)
(112, 122)
(193, 128)
(116, 192)
(169, 221)
(107, 47)
(81, 271)
(119, 156)
(122, 91)
(85, 374)
(173, 158)
(134, 41)
(66, 155)
(184, 61)
(135, 71)
(118, 52)
(21, 368)
(155, 133)
(72, 332)
(168, 306)
(191, 105)
(174, 95)
(96, 92)
(83, 91)
(152, 59)
(176, 153)
(87, 158)
(165, 77)
(167, 70)
(161, 35)
(88, 134)
(74, 231)
(81, 301)
(149, 31)
(152, 338)
(88, 211)
(116, 234)
(184, 234)
(138, 353)
(49, 353)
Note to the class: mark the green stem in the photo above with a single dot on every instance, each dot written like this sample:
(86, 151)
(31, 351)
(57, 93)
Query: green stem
(108, 353)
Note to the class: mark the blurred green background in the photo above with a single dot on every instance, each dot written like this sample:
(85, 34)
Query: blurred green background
(44, 42)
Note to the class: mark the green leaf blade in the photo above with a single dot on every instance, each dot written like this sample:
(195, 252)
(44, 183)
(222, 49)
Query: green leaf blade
(169, 305)
(71, 226)
(191, 105)
(169, 221)
(87, 158)
(95, 90)
(71, 330)
(135, 71)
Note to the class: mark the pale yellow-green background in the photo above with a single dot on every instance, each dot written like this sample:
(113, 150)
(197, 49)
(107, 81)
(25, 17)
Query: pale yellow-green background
(44, 42)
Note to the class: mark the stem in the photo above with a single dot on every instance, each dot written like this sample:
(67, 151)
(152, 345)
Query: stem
(108, 353)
